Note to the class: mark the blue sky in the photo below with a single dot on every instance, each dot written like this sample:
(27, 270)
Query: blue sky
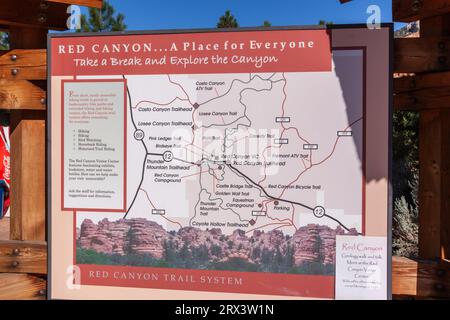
(176, 14)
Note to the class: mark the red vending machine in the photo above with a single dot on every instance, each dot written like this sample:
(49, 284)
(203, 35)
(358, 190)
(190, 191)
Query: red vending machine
(5, 171)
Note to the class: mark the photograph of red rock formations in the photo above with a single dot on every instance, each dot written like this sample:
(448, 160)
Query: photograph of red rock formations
(140, 242)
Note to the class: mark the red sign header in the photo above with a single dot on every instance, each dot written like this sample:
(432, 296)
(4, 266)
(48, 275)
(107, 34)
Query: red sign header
(190, 53)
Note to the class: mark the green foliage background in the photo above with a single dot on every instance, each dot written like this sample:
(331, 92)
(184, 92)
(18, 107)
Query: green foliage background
(104, 19)
(199, 258)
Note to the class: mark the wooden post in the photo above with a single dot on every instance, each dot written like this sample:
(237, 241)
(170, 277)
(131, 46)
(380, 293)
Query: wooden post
(434, 159)
(23, 264)
(445, 187)
(28, 186)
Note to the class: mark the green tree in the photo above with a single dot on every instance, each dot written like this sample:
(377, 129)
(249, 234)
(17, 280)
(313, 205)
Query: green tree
(405, 182)
(323, 23)
(288, 259)
(216, 251)
(169, 251)
(103, 19)
(267, 23)
(318, 249)
(227, 21)
(256, 253)
(4, 43)
(185, 256)
(266, 259)
(405, 173)
(405, 231)
(405, 142)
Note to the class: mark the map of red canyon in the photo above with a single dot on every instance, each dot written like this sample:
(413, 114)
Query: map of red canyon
(206, 164)
(258, 151)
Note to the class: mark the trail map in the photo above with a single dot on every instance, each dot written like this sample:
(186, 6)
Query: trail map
(216, 162)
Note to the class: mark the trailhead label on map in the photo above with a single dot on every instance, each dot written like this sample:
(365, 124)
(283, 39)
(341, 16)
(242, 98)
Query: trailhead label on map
(94, 145)
(361, 267)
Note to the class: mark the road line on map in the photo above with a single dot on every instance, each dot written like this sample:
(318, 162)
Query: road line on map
(229, 165)
(146, 152)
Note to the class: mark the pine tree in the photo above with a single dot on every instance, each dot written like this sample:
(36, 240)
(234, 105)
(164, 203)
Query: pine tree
(405, 225)
(405, 141)
(227, 21)
(169, 251)
(325, 23)
(318, 249)
(103, 20)
(405, 173)
(4, 42)
(216, 251)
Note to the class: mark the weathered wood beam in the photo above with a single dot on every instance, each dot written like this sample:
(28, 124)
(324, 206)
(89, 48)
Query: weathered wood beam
(421, 81)
(445, 185)
(434, 156)
(27, 167)
(28, 188)
(86, 3)
(435, 26)
(22, 64)
(4, 228)
(27, 37)
(434, 160)
(431, 98)
(34, 13)
(23, 257)
(422, 91)
(420, 279)
(20, 286)
(413, 10)
(430, 159)
(21, 94)
(421, 54)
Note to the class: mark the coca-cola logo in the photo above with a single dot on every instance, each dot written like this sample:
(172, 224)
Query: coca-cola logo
(6, 165)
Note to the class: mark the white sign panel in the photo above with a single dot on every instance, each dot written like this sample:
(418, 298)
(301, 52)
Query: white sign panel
(361, 268)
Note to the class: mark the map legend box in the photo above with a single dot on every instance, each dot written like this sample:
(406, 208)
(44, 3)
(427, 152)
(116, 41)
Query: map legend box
(94, 145)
